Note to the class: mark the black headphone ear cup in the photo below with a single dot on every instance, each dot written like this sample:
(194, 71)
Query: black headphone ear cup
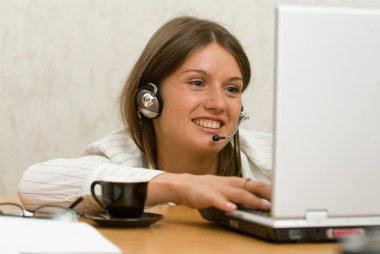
(148, 101)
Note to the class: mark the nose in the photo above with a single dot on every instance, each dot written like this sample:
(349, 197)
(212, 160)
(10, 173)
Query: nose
(215, 100)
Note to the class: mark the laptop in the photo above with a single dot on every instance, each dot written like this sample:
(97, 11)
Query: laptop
(326, 155)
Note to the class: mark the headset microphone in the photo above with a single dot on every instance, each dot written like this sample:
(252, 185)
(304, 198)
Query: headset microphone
(243, 116)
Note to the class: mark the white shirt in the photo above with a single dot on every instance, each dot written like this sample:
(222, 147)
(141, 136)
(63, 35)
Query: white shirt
(62, 181)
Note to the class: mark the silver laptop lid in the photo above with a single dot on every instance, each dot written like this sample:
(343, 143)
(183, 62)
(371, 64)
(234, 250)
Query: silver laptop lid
(327, 112)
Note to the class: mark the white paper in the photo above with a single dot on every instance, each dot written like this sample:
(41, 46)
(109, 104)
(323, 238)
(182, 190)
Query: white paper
(25, 235)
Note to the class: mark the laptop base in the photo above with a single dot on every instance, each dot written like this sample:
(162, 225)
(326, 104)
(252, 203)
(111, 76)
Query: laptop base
(283, 235)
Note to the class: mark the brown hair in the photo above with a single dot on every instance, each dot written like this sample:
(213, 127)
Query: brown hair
(164, 53)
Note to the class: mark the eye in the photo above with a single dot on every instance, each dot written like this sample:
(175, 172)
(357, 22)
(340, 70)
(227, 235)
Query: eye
(197, 83)
(233, 89)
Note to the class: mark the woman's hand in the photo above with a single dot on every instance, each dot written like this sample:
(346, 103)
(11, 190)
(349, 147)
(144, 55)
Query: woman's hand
(202, 191)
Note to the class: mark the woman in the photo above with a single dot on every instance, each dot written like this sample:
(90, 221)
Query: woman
(184, 89)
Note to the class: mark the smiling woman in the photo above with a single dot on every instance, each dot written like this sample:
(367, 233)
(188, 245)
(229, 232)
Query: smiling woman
(185, 88)
(187, 51)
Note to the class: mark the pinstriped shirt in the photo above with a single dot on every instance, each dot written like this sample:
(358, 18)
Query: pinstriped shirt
(61, 181)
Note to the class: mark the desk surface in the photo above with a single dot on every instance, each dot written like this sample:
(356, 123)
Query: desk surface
(184, 231)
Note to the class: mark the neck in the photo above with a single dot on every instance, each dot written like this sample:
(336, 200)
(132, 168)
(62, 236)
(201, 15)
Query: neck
(178, 161)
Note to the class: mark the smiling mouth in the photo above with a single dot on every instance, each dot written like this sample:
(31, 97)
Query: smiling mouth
(207, 123)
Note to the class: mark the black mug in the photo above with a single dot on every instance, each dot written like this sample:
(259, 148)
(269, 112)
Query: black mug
(121, 199)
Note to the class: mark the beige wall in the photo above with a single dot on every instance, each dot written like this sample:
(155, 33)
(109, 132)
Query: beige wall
(62, 64)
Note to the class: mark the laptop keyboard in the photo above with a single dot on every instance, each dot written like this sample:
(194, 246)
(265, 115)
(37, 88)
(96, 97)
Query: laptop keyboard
(254, 211)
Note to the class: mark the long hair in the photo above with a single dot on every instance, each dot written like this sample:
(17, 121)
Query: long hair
(164, 53)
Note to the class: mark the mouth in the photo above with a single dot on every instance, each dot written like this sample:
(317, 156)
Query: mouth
(206, 123)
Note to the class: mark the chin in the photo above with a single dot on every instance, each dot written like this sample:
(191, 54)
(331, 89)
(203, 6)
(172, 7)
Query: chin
(210, 146)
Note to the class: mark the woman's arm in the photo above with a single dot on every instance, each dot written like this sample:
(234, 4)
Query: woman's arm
(61, 181)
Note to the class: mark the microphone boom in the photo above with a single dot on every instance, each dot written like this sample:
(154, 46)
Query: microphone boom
(242, 117)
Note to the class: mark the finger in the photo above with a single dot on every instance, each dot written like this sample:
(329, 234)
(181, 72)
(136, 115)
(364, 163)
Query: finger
(222, 203)
(244, 197)
(260, 189)
(250, 192)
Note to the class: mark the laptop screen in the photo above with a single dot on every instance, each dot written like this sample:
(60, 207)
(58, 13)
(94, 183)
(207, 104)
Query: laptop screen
(327, 112)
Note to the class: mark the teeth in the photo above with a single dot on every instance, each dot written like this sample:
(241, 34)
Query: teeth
(207, 123)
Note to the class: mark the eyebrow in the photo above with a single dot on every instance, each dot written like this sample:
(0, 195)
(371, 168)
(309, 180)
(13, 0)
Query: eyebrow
(204, 72)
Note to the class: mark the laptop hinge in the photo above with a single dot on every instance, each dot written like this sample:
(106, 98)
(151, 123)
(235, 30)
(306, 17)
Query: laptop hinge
(316, 215)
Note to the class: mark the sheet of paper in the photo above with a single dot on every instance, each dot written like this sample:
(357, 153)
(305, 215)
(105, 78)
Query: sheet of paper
(23, 235)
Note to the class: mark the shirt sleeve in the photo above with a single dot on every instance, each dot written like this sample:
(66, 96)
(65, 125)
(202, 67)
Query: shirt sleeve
(256, 155)
(62, 181)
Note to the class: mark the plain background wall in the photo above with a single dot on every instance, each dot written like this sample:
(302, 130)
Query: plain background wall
(62, 64)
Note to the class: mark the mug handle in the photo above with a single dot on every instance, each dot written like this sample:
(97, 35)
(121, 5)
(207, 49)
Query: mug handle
(94, 195)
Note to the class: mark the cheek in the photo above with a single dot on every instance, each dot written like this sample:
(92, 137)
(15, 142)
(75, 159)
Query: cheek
(235, 110)
(180, 104)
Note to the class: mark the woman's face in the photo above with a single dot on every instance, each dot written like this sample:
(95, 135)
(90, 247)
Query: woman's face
(202, 98)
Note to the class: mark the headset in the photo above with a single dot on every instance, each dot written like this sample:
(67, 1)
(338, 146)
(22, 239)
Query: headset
(149, 102)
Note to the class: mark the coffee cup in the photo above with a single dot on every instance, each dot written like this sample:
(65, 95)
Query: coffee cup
(121, 199)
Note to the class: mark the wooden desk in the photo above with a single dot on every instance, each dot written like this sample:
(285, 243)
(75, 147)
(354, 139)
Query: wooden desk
(184, 231)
